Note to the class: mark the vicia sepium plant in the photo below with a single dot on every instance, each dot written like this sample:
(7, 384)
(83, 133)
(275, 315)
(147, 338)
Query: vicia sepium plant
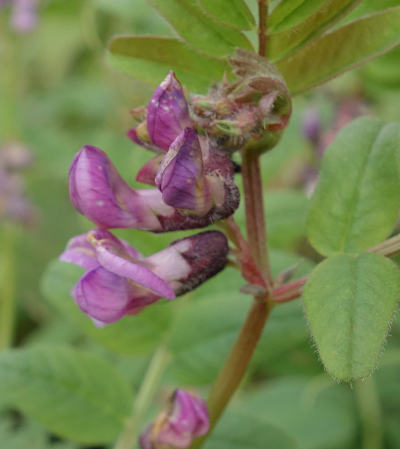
(216, 114)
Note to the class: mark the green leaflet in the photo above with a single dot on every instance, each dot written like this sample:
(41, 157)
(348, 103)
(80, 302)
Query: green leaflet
(340, 50)
(198, 29)
(282, 43)
(74, 394)
(289, 13)
(149, 59)
(235, 13)
(356, 202)
(349, 301)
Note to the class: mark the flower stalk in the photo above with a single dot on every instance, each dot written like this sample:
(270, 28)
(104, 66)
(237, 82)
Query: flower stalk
(7, 287)
(144, 397)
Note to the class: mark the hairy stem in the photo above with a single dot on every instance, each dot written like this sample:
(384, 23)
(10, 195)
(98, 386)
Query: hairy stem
(255, 218)
(143, 399)
(7, 287)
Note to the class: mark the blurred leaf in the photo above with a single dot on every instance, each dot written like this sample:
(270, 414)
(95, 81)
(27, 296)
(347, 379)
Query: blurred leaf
(74, 394)
(350, 301)
(342, 49)
(149, 59)
(198, 29)
(282, 43)
(316, 414)
(240, 430)
(139, 334)
(352, 213)
(286, 216)
(236, 13)
(206, 328)
(288, 14)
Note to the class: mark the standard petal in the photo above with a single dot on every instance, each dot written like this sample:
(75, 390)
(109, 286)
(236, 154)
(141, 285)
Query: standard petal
(181, 178)
(167, 112)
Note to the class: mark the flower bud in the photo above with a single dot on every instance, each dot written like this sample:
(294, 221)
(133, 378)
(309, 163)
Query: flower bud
(185, 418)
(252, 111)
(120, 281)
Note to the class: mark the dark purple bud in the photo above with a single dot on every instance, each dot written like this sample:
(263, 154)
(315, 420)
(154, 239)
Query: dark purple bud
(185, 418)
(181, 175)
(167, 112)
(120, 281)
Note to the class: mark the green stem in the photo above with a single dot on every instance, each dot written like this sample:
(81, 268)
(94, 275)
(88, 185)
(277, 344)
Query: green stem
(144, 397)
(370, 414)
(7, 287)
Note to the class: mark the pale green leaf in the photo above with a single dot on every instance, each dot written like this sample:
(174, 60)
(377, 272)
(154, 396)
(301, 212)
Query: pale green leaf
(139, 334)
(284, 42)
(235, 13)
(289, 13)
(356, 202)
(149, 59)
(198, 29)
(350, 301)
(342, 49)
(74, 394)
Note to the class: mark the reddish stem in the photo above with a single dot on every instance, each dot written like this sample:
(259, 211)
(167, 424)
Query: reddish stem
(262, 27)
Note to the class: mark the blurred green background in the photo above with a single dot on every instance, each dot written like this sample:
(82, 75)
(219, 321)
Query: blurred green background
(57, 94)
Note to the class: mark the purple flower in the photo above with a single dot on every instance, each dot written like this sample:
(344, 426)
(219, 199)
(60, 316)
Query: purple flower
(185, 418)
(14, 205)
(99, 193)
(120, 281)
(167, 116)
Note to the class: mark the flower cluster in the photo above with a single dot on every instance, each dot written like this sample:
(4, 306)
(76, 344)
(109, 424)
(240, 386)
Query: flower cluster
(192, 175)
(193, 187)
(14, 205)
(185, 418)
(24, 14)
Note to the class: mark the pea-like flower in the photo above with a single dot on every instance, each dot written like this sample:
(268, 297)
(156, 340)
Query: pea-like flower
(120, 281)
(185, 418)
(167, 115)
(99, 193)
